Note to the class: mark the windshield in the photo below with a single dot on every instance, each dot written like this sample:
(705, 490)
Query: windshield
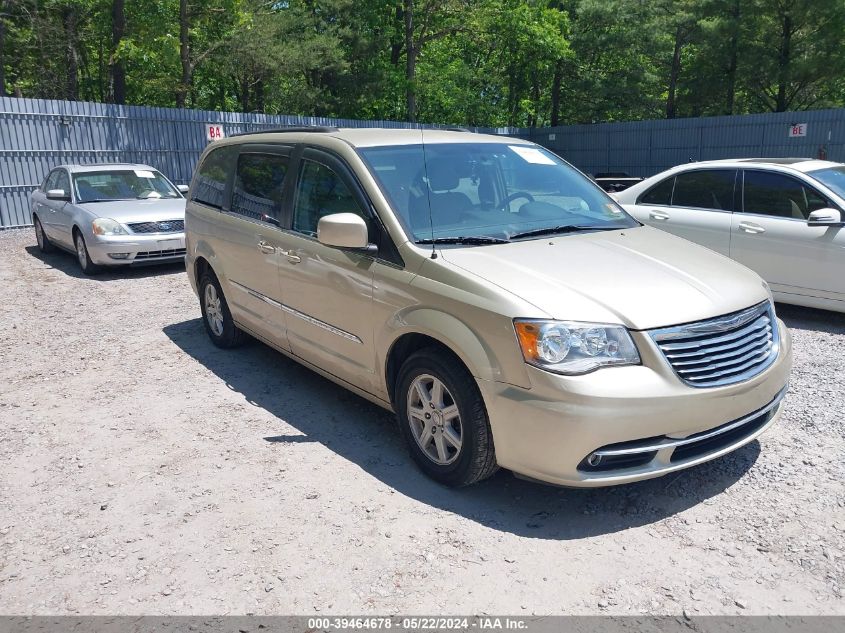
(833, 177)
(499, 191)
(129, 184)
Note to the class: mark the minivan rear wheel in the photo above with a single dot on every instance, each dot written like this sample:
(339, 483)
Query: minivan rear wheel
(443, 419)
(216, 316)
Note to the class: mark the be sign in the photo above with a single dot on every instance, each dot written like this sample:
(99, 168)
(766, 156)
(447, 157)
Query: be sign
(214, 132)
(798, 129)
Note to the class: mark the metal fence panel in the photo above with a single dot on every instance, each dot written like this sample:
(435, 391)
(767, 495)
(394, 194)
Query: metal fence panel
(36, 135)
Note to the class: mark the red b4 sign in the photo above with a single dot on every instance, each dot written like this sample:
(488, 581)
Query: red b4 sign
(799, 129)
(214, 132)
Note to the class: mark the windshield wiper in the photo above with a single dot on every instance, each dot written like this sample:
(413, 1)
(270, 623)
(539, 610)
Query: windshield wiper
(103, 200)
(480, 239)
(565, 228)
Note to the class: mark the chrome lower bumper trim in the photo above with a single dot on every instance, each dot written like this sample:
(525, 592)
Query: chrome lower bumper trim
(697, 437)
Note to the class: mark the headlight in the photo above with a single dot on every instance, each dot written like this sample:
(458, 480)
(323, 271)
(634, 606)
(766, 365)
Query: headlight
(569, 347)
(106, 226)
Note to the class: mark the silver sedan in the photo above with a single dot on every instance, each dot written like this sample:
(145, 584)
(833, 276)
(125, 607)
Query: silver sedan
(110, 215)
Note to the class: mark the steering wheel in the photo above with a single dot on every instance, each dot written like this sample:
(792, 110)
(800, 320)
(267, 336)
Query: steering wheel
(506, 203)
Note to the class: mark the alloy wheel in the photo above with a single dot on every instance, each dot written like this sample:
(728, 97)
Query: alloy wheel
(81, 253)
(213, 310)
(434, 419)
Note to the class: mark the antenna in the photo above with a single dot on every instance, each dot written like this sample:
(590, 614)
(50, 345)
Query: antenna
(428, 194)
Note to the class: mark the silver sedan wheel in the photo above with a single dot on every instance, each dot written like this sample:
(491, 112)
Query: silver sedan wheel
(435, 420)
(81, 254)
(213, 310)
(39, 234)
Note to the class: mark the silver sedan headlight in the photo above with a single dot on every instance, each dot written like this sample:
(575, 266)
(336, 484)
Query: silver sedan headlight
(107, 226)
(571, 347)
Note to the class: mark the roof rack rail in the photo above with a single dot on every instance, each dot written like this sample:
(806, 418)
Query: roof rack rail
(291, 128)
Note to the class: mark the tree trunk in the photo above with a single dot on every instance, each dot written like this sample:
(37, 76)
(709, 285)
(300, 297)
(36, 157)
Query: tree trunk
(117, 72)
(673, 75)
(244, 94)
(534, 119)
(184, 54)
(70, 22)
(733, 55)
(783, 62)
(3, 7)
(259, 95)
(410, 62)
(557, 82)
(397, 40)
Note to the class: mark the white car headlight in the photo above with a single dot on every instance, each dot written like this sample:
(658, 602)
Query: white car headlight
(570, 347)
(107, 226)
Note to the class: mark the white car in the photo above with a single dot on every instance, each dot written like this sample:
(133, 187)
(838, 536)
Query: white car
(781, 217)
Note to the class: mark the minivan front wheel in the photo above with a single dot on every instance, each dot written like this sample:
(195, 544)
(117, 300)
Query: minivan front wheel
(216, 316)
(443, 418)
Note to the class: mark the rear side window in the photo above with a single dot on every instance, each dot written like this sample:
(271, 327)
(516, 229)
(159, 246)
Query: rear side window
(660, 193)
(779, 195)
(257, 192)
(212, 176)
(705, 189)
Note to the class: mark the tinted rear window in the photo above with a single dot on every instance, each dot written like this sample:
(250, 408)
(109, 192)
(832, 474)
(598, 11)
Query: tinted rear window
(211, 177)
(705, 189)
(660, 193)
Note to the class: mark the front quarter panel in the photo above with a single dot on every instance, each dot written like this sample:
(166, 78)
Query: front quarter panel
(473, 319)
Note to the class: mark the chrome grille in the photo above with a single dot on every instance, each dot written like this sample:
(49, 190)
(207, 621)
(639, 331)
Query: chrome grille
(165, 226)
(724, 350)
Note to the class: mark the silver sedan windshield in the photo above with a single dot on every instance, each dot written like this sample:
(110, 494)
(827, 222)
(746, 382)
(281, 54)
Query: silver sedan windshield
(126, 184)
(476, 193)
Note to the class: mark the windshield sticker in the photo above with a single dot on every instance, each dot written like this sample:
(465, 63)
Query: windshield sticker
(144, 173)
(532, 155)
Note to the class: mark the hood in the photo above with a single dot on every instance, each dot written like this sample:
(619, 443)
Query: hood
(150, 210)
(641, 277)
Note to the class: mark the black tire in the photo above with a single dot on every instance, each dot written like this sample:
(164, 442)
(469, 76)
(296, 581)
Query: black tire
(44, 243)
(476, 459)
(82, 257)
(227, 335)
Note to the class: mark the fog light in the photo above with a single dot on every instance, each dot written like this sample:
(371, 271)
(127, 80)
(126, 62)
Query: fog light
(118, 255)
(594, 459)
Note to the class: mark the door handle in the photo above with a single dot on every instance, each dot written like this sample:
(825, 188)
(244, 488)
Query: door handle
(293, 258)
(658, 215)
(266, 248)
(751, 227)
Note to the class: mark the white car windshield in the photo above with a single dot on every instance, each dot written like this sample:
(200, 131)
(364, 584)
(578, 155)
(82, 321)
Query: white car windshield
(489, 192)
(833, 177)
(126, 184)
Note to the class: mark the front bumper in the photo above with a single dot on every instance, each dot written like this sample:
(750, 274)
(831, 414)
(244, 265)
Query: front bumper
(134, 249)
(550, 431)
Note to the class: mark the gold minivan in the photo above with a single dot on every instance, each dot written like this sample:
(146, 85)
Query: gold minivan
(498, 301)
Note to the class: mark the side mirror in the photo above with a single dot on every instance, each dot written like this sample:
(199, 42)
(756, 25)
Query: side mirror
(183, 188)
(344, 230)
(824, 217)
(58, 194)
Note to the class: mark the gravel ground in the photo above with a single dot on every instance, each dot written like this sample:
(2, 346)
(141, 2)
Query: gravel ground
(146, 472)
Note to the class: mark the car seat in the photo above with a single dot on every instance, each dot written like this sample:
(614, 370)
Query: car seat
(444, 204)
(86, 191)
